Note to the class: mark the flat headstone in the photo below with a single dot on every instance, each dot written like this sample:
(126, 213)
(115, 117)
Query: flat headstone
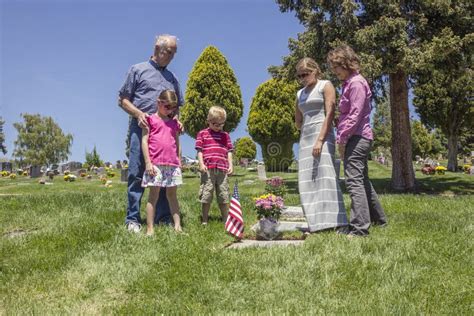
(286, 226)
(248, 182)
(262, 174)
(293, 212)
(292, 226)
(246, 243)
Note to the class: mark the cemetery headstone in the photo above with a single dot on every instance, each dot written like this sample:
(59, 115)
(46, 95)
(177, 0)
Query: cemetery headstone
(262, 174)
(101, 171)
(124, 175)
(35, 171)
(6, 166)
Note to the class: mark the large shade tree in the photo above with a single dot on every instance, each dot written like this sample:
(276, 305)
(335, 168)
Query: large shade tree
(211, 82)
(444, 90)
(385, 33)
(41, 141)
(271, 122)
(3, 148)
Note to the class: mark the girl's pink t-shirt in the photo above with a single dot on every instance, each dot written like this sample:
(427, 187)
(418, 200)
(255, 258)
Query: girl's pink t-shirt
(162, 141)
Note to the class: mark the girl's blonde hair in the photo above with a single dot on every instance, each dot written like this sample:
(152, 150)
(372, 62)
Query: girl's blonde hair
(309, 64)
(216, 112)
(345, 57)
(169, 96)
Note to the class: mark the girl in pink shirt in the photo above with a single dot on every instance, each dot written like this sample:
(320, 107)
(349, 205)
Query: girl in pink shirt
(160, 145)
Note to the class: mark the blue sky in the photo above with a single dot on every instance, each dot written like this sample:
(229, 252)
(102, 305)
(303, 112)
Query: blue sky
(67, 59)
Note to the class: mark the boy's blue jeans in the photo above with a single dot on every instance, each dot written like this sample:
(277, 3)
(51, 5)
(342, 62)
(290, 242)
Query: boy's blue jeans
(136, 168)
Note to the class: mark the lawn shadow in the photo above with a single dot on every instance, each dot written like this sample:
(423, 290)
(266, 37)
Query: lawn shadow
(292, 186)
(451, 185)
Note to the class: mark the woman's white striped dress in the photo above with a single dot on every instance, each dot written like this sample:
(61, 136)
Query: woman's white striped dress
(320, 193)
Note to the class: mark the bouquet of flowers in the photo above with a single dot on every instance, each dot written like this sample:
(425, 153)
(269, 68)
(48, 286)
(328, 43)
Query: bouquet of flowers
(276, 186)
(269, 206)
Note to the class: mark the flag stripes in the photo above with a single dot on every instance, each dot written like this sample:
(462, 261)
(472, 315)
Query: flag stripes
(235, 222)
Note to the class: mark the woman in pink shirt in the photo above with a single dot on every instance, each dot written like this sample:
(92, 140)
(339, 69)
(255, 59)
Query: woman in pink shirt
(160, 145)
(354, 138)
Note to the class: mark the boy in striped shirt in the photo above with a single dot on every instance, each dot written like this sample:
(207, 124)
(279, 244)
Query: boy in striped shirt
(215, 163)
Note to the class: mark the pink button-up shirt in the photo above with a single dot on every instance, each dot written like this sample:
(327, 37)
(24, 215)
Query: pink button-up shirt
(354, 107)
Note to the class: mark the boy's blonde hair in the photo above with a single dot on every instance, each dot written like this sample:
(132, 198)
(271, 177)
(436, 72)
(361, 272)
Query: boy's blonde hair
(216, 112)
(169, 96)
(345, 57)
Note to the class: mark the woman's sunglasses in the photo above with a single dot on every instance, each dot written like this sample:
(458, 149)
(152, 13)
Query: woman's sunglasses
(303, 75)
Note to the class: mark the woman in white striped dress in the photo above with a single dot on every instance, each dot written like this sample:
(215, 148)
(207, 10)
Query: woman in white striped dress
(320, 193)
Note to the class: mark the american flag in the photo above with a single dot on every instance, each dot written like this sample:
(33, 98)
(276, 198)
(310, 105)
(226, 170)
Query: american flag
(235, 222)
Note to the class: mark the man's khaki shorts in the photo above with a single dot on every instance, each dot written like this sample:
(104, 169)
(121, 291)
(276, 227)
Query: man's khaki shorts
(214, 179)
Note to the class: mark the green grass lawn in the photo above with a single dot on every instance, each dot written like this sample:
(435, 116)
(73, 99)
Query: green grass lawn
(64, 250)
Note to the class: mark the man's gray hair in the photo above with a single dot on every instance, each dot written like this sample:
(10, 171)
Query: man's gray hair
(162, 40)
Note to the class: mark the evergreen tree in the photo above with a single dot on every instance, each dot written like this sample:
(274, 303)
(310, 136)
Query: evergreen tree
(3, 148)
(211, 82)
(245, 148)
(425, 142)
(271, 122)
(41, 141)
(93, 158)
(382, 125)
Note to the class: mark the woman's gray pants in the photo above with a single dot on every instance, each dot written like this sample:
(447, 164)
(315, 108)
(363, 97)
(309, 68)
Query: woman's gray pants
(365, 206)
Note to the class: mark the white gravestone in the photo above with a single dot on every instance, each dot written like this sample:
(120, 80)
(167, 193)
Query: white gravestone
(262, 174)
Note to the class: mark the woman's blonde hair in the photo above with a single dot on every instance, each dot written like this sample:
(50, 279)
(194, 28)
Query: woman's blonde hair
(345, 57)
(169, 96)
(307, 63)
(216, 112)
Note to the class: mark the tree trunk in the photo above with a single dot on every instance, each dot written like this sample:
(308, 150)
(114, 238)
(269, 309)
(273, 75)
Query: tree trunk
(403, 175)
(452, 152)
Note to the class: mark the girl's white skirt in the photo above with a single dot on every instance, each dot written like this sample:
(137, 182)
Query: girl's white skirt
(166, 176)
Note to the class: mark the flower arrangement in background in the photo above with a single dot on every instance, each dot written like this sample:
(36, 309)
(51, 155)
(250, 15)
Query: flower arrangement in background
(440, 170)
(276, 186)
(5, 174)
(69, 177)
(12, 176)
(269, 206)
(103, 179)
(467, 168)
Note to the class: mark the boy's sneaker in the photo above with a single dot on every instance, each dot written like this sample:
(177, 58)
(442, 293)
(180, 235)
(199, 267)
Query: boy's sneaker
(133, 227)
